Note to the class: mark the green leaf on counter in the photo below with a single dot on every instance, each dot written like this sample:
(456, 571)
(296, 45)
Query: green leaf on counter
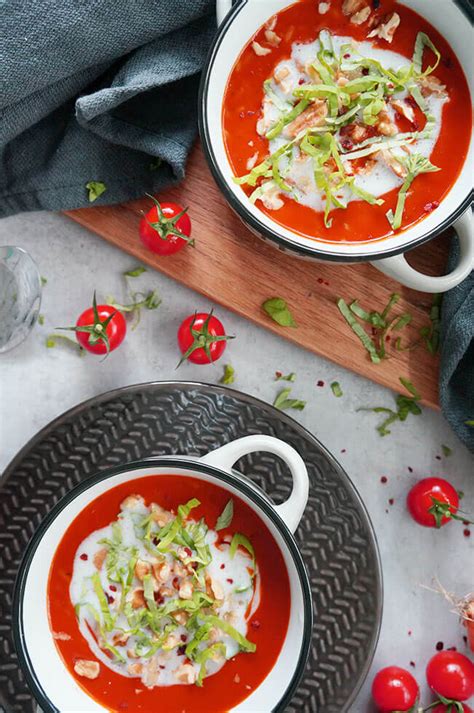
(228, 376)
(44, 281)
(41, 319)
(285, 377)
(431, 334)
(95, 189)
(406, 405)
(336, 389)
(136, 272)
(283, 402)
(446, 450)
(277, 309)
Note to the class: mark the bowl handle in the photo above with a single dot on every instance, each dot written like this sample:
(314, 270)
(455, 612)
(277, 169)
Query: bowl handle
(222, 8)
(398, 267)
(292, 509)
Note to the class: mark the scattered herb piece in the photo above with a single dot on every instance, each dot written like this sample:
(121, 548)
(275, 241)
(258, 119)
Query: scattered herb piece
(405, 406)
(229, 375)
(136, 272)
(285, 377)
(336, 389)
(283, 402)
(148, 300)
(358, 330)
(431, 334)
(43, 280)
(277, 309)
(95, 189)
(225, 518)
(470, 422)
(41, 319)
(52, 339)
(446, 450)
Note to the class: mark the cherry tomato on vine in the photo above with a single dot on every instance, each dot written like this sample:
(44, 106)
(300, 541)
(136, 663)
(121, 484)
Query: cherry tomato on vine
(433, 502)
(451, 674)
(453, 707)
(394, 689)
(100, 329)
(202, 338)
(166, 228)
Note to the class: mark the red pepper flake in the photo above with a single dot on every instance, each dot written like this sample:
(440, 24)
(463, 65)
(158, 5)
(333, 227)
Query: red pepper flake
(181, 650)
(175, 582)
(410, 470)
(320, 383)
(278, 375)
(452, 648)
(110, 600)
(343, 450)
(412, 664)
(448, 62)
(347, 55)
(320, 280)
(188, 551)
(250, 113)
(222, 566)
(428, 207)
(162, 667)
(231, 581)
(347, 144)
(411, 102)
(326, 283)
(464, 638)
(184, 637)
(155, 540)
(391, 501)
(84, 557)
(376, 4)
(466, 522)
(300, 81)
(387, 338)
(383, 479)
(398, 116)
(409, 632)
(467, 533)
(159, 598)
(112, 587)
(255, 624)
(439, 646)
(365, 71)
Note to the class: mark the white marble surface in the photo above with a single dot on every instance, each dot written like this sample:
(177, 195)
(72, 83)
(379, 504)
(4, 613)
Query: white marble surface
(37, 384)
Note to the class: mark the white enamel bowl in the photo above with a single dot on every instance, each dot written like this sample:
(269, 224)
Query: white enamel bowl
(49, 679)
(238, 23)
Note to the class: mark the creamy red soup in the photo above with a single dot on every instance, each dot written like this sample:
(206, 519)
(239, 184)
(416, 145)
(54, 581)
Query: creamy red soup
(347, 120)
(167, 594)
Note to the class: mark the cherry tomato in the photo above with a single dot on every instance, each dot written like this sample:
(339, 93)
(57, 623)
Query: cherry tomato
(166, 228)
(443, 708)
(433, 502)
(100, 329)
(394, 689)
(451, 675)
(202, 338)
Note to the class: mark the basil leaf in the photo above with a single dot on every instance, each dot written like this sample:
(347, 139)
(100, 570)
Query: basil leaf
(277, 309)
(358, 330)
(135, 273)
(239, 539)
(336, 389)
(225, 518)
(283, 402)
(95, 189)
(229, 375)
(282, 377)
(446, 450)
(184, 510)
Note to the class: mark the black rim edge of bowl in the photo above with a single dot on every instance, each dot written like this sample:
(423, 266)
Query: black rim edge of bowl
(161, 462)
(240, 208)
(136, 388)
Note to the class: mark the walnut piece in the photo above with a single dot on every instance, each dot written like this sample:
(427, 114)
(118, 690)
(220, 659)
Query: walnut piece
(386, 29)
(87, 669)
(259, 50)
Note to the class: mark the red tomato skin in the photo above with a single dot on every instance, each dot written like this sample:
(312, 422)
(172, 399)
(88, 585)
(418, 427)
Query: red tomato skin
(185, 339)
(442, 708)
(451, 674)
(394, 689)
(152, 240)
(116, 329)
(419, 500)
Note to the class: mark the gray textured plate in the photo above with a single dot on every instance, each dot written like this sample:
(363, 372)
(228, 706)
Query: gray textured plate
(335, 535)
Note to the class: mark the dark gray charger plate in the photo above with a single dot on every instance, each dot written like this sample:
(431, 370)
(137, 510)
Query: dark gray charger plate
(335, 535)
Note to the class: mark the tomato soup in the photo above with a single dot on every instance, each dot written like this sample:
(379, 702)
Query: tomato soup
(165, 593)
(347, 120)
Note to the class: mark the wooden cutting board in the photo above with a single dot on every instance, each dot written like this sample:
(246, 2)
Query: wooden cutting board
(232, 267)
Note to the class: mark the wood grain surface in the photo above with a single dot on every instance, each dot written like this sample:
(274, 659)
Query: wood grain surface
(233, 267)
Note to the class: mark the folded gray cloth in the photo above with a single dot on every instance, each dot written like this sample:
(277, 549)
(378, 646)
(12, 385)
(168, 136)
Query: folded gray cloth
(456, 381)
(90, 90)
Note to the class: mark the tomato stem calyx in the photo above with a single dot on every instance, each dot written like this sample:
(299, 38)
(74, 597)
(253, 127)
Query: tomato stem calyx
(97, 330)
(202, 339)
(164, 226)
(440, 510)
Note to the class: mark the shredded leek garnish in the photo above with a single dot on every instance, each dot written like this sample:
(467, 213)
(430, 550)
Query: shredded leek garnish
(415, 165)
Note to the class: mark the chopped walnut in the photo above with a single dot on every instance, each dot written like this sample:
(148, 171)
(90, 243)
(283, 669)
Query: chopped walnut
(87, 669)
(271, 22)
(404, 109)
(159, 515)
(392, 162)
(236, 678)
(99, 557)
(272, 38)
(259, 50)
(186, 590)
(132, 502)
(314, 115)
(179, 570)
(142, 568)
(356, 132)
(367, 168)
(151, 673)
(186, 673)
(358, 18)
(137, 598)
(166, 592)
(349, 7)
(131, 654)
(385, 125)
(431, 85)
(323, 8)
(386, 29)
(252, 161)
(120, 639)
(162, 572)
(135, 669)
(61, 636)
(217, 589)
(171, 642)
(180, 616)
